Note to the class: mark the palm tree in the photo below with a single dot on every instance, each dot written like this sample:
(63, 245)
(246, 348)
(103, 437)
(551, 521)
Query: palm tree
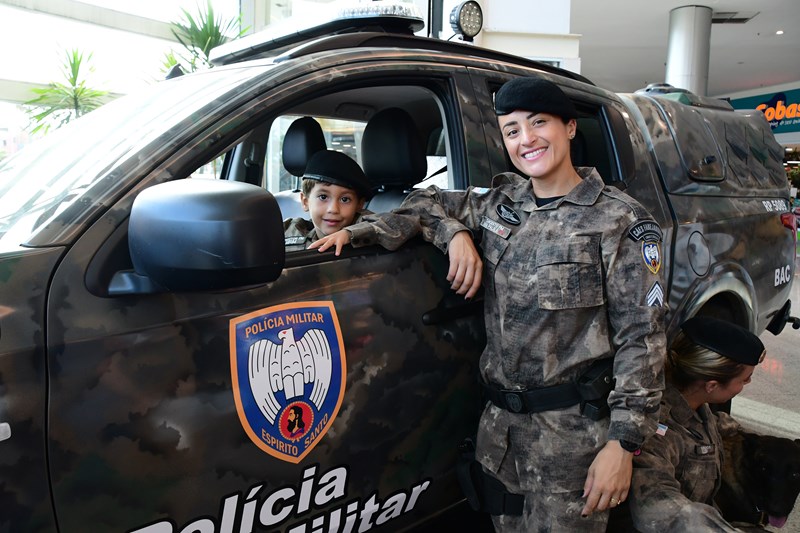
(59, 103)
(199, 34)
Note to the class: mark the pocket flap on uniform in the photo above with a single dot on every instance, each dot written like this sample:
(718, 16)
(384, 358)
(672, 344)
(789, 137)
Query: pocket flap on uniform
(581, 249)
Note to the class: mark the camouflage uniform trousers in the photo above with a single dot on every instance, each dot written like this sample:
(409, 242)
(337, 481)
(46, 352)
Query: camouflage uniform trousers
(548, 458)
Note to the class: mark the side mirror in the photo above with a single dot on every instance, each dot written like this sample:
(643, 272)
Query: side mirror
(198, 234)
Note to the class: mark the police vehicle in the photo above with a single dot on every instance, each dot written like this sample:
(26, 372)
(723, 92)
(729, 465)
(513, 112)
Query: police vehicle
(166, 367)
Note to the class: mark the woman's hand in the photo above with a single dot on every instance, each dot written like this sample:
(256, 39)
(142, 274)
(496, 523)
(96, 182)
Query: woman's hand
(338, 239)
(466, 267)
(609, 478)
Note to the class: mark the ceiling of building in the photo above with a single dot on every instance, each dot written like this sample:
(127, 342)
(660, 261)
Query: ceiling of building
(623, 44)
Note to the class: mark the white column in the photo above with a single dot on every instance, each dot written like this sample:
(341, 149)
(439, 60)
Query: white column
(535, 30)
(255, 14)
(688, 48)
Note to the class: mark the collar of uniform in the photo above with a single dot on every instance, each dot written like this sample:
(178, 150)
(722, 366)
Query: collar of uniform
(517, 188)
(587, 191)
(679, 409)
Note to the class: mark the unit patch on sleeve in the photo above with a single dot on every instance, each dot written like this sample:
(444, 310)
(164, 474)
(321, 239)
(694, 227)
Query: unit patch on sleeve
(655, 296)
(646, 230)
(649, 234)
(288, 373)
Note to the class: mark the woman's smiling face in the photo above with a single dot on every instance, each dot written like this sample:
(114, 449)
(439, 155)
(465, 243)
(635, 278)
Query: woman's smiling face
(538, 143)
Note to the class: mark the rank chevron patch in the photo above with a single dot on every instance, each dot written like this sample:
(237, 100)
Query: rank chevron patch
(655, 296)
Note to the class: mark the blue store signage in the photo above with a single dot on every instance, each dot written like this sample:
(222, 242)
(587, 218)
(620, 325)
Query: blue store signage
(780, 109)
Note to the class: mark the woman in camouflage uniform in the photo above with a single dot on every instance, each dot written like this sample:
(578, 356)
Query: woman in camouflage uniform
(571, 279)
(678, 471)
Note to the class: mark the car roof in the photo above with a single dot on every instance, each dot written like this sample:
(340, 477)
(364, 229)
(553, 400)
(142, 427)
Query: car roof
(382, 31)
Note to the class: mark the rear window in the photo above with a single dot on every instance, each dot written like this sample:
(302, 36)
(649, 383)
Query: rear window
(697, 145)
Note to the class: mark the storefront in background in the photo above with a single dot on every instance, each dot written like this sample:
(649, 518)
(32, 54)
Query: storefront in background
(781, 107)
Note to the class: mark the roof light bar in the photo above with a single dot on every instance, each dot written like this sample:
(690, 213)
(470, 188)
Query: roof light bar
(392, 16)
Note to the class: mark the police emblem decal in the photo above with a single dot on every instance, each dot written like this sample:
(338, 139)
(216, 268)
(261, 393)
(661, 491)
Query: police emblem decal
(508, 214)
(288, 373)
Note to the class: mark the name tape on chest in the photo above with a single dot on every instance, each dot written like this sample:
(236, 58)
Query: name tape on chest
(704, 449)
(495, 227)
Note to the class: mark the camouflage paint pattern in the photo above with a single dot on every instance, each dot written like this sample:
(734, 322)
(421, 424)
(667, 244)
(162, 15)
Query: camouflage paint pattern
(719, 221)
(164, 438)
(24, 493)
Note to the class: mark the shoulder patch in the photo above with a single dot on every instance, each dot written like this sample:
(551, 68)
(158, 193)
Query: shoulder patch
(655, 296)
(645, 230)
(508, 214)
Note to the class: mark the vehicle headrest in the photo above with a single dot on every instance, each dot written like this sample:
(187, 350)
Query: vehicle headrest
(392, 151)
(577, 150)
(303, 139)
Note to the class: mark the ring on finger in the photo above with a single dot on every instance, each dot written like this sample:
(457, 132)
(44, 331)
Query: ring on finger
(614, 502)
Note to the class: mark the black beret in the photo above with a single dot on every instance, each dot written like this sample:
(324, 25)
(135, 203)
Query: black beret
(537, 95)
(337, 168)
(724, 338)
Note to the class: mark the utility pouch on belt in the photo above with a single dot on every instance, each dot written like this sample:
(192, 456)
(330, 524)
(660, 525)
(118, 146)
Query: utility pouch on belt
(594, 385)
(483, 492)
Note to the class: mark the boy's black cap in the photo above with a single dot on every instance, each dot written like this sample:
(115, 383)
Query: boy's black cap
(337, 168)
(537, 95)
(724, 338)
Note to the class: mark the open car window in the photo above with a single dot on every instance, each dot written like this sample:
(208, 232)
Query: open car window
(343, 118)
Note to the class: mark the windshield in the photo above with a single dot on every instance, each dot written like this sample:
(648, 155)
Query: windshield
(50, 178)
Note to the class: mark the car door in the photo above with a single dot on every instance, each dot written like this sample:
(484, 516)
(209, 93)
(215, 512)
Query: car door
(151, 413)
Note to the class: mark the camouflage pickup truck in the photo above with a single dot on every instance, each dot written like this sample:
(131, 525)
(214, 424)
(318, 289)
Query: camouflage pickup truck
(149, 311)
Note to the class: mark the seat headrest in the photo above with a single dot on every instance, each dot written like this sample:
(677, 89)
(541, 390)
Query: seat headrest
(303, 139)
(392, 152)
(577, 150)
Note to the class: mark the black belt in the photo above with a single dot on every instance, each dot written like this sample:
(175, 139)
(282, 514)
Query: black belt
(533, 400)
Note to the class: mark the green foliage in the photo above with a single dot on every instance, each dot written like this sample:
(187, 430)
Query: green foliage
(59, 103)
(793, 174)
(198, 34)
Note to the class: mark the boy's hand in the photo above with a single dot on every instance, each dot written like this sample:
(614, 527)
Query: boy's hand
(466, 267)
(338, 239)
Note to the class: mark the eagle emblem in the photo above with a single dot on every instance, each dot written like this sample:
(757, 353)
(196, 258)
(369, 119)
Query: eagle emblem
(287, 364)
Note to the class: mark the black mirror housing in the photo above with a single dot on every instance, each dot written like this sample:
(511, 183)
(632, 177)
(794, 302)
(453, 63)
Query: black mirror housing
(198, 234)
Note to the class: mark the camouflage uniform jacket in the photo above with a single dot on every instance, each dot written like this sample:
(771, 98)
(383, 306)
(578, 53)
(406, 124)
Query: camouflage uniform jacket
(565, 284)
(299, 232)
(678, 473)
